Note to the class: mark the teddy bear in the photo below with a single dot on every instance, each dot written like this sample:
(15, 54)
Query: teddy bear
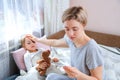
(45, 58)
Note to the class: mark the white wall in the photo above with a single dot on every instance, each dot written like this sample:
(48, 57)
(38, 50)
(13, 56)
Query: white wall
(103, 15)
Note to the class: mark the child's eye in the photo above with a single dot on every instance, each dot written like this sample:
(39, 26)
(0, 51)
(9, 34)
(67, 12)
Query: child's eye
(28, 43)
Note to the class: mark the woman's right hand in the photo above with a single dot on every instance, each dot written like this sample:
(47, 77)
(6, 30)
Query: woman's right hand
(72, 71)
(30, 36)
(38, 39)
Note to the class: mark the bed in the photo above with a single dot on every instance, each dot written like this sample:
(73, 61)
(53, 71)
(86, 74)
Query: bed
(109, 43)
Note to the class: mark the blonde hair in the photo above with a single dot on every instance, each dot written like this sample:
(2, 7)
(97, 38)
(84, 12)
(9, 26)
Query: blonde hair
(23, 41)
(76, 13)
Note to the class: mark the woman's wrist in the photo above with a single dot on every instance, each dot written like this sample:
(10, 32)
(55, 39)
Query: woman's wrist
(41, 39)
(78, 76)
(38, 40)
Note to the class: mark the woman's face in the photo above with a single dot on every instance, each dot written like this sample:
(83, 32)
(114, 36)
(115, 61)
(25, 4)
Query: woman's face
(30, 45)
(73, 29)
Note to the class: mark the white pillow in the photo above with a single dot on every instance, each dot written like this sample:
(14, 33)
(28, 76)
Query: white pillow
(111, 58)
(18, 56)
(111, 52)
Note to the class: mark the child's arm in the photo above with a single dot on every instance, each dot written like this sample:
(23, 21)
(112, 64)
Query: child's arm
(27, 62)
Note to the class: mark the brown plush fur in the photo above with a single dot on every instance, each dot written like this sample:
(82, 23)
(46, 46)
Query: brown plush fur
(45, 58)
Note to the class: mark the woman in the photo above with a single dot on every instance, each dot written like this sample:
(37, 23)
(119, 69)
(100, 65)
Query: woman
(86, 59)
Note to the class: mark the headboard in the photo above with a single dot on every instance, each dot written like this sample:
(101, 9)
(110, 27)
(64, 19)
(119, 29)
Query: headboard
(101, 38)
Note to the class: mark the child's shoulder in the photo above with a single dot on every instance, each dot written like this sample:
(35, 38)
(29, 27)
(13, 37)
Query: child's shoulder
(40, 50)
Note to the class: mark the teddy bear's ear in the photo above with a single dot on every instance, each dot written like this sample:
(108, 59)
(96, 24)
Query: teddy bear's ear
(48, 51)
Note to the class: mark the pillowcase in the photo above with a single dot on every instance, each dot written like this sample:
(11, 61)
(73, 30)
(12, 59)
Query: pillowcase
(111, 57)
(18, 55)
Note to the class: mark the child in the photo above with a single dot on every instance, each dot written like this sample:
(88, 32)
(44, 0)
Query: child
(32, 55)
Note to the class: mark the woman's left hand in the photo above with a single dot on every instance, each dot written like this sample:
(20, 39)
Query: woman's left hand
(72, 71)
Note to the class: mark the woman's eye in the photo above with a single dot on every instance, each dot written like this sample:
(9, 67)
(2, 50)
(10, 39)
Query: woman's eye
(75, 29)
(66, 29)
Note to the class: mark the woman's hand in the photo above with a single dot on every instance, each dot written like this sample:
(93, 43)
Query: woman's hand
(31, 37)
(72, 71)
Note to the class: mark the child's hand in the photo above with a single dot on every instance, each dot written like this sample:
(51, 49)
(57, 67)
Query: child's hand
(55, 59)
(43, 65)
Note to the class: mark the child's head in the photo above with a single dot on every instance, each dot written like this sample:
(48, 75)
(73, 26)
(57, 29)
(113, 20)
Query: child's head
(28, 43)
(76, 13)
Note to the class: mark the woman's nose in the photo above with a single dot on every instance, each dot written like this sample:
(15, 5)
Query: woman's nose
(71, 33)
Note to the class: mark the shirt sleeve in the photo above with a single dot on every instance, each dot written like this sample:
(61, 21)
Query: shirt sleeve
(94, 57)
(27, 61)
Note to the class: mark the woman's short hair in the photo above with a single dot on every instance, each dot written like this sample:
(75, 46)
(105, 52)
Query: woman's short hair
(76, 13)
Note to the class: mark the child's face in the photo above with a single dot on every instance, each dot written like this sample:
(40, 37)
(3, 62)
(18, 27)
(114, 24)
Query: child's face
(30, 45)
